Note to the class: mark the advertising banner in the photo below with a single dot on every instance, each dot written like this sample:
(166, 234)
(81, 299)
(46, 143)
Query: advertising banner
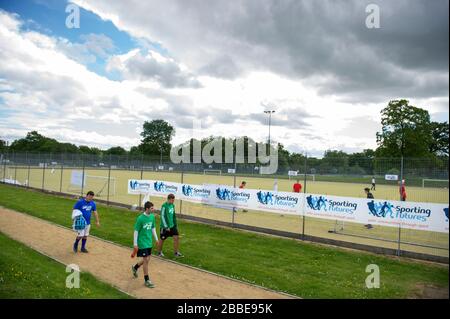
(412, 215)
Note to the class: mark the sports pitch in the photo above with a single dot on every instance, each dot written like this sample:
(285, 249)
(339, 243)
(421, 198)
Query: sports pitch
(289, 223)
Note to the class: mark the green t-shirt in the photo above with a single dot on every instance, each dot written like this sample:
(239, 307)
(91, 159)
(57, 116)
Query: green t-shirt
(144, 225)
(168, 218)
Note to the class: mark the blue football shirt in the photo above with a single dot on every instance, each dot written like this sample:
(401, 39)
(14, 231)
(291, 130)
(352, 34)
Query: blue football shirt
(86, 208)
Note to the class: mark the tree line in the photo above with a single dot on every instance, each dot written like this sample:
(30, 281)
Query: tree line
(406, 131)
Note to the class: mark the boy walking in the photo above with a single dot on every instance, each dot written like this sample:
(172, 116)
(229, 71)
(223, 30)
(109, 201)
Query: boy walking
(168, 226)
(373, 184)
(369, 195)
(144, 228)
(86, 206)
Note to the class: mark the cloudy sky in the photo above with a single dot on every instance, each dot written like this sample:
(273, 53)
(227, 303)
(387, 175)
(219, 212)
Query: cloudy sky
(220, 62)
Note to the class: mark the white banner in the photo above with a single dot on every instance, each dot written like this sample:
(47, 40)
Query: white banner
(195, 193)
(136, 186)
(76, 178)
(391, 177)
(412, 215)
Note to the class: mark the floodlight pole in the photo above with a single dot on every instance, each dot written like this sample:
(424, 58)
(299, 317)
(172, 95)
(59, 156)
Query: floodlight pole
(270, 119)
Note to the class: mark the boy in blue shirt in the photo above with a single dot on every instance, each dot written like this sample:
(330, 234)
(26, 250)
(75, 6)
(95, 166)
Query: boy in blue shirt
(87, 207)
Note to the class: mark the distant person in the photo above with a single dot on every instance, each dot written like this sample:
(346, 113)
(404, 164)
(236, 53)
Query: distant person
(402, 190)
(144, 228)
(373, 184)
(242, 186)
(275, 186)
(168, 226)
(87, 206)
(297, 187)
(369, 195)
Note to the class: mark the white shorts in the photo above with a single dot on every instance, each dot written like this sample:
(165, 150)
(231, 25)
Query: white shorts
(84, 232)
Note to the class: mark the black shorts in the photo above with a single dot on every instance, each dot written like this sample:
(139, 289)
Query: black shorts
(144, 252)
(168, 233)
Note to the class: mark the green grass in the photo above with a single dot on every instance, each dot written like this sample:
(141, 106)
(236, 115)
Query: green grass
(303, 269)
(25, 273)
(314, 226)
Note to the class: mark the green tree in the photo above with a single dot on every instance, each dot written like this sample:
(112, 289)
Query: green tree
(334, 162)
(405, 131)
(115, 151)
(3, 146)
(363, 161)
(156, 138)
(439, 141)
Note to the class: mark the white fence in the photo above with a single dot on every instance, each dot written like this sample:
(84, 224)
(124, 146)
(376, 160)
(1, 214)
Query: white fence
(412, 215)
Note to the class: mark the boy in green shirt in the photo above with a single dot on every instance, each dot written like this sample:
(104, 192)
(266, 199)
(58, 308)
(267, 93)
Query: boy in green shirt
(168, 226)
(143, 230)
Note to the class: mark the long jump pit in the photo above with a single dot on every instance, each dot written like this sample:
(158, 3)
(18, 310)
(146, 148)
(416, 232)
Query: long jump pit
(111, 263)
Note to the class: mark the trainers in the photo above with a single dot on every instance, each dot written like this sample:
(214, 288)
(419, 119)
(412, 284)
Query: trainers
(75, 248)
(134, 272)
(149, 284)
(160, 254)
(84, 250)
(178, 254)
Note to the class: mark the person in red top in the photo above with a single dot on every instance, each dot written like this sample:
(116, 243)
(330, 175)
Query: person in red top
(402, 191)
(243, 183)
(297, 187)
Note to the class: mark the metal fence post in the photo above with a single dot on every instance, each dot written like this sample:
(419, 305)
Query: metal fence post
(28, 173)
(234, 208)
(82, 179)
(4, 169)
(43, 176)
(304, 192)
(15, 174)
(61, 179)
(142, 176)
(109, 179)
(181, 201)
(400, 194)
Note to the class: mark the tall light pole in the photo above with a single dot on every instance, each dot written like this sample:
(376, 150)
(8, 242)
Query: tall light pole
(270, 118)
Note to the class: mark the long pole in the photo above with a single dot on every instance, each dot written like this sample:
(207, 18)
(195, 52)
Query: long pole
(61, 179)
(304, 192)
(270, 120)
(400, 191)
(109, 179)
(181, 201)
(43, 175)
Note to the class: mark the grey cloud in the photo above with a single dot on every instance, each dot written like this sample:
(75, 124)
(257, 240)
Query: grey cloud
(222, 67)
(324, 42)
(168, 73)
(361, 127)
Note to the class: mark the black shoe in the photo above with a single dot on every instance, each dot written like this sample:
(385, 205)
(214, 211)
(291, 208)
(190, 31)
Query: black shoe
(84, 250)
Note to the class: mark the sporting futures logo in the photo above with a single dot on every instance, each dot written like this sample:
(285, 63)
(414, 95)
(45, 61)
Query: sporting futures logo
(164, 188)
(269, 198)
(388, 210)
(446, 212)
(135, 185)
(321, 203)
(227, 194)
(190, 191)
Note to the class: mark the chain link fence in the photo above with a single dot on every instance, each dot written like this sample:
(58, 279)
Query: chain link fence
(426, 180)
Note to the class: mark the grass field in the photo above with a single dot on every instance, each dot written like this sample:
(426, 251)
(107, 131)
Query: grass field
(303, 269)
(25, 273)
(290, 223)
